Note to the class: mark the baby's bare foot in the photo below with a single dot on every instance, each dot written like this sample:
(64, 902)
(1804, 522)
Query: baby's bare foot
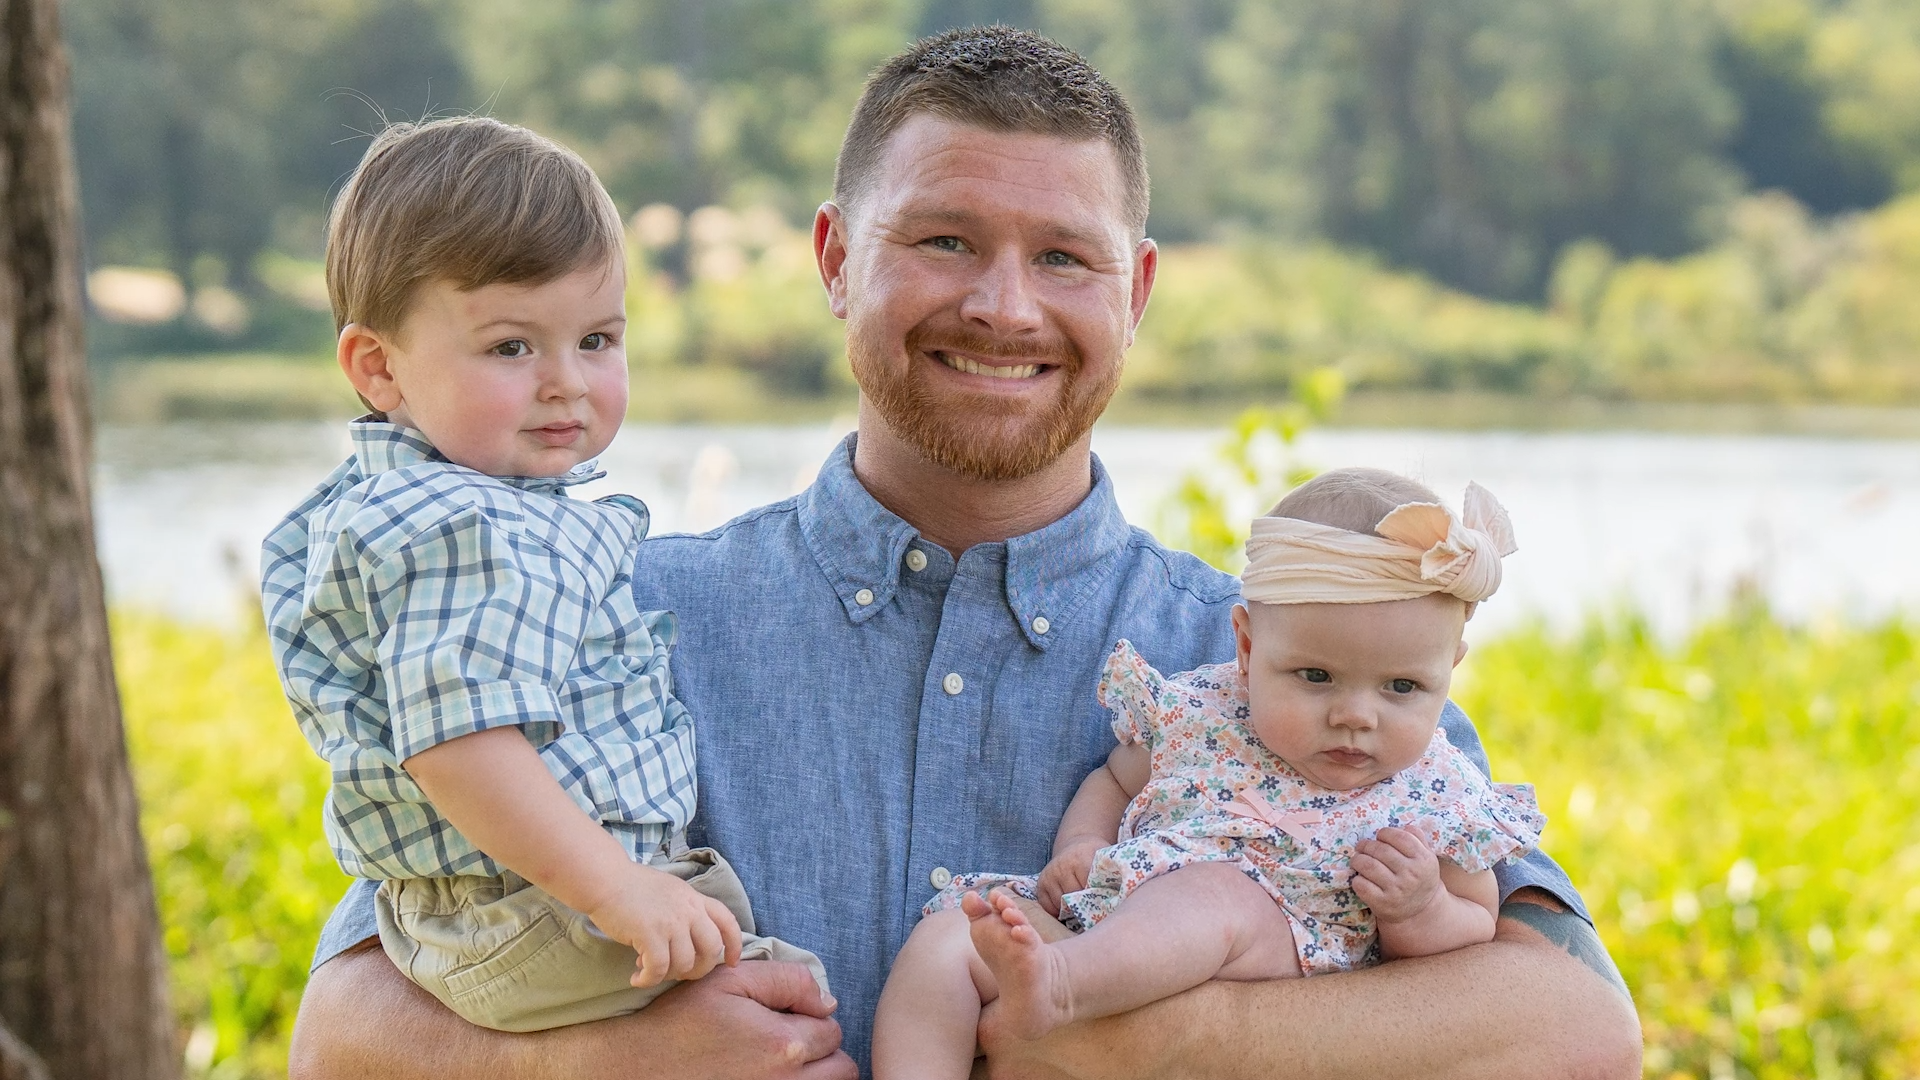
(1035, 993)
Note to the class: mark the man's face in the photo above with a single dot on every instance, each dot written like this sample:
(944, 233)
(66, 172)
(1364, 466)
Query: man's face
(991, 285)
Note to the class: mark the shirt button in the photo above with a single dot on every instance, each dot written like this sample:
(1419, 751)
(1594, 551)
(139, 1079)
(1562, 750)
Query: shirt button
(916, 560)
(1041, 625)
(863, 597)
(953, 683)
(941, 877)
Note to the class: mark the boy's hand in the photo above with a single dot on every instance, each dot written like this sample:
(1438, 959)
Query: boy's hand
(1067, 873)
(677, 932)
(1396, 875)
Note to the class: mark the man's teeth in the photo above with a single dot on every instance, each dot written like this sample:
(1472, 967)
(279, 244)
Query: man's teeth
(971, 367)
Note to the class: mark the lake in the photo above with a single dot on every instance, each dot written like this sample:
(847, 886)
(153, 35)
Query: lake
(1670, 523)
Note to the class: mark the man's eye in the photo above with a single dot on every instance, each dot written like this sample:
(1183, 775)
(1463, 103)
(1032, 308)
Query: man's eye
(594, 342)
(1315, 675)
(1059, 258)
(512, 349)
(948, 243)
(1403, 686)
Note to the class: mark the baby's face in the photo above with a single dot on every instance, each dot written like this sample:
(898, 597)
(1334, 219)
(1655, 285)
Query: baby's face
(512, 380)
(1349, 694)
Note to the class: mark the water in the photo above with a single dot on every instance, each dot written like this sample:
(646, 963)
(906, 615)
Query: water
(1670, 523)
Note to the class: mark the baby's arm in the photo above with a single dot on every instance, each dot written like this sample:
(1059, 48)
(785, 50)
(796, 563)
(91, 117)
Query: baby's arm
(1422, 904)
(494, 788)
(1092, 821)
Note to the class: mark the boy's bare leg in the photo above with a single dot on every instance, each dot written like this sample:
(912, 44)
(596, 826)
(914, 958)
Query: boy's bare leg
(1201, 922)
(923, 1028)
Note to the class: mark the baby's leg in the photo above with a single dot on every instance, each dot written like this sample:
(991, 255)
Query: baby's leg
(1204, 921)
(924, 1026)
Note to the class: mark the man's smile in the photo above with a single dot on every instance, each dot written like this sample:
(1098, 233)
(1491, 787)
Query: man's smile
(970, 366)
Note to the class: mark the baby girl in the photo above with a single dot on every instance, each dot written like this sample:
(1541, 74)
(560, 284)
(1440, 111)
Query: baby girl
(1295, 812)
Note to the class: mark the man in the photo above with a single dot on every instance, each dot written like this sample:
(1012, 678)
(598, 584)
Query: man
(892, 673)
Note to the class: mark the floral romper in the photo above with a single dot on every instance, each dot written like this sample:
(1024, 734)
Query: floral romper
(1216, 794)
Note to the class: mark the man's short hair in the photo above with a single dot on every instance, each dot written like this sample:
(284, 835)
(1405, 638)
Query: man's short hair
(1001, 79)
(467, 200)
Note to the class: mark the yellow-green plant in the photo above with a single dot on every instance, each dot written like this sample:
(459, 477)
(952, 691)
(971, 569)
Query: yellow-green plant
(1208, 511)
(1741, 810)
(230, 796)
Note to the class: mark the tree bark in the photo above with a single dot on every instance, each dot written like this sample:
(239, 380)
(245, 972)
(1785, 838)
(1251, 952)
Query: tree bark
(82, 974)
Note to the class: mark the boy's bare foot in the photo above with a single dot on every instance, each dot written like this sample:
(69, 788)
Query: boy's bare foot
(1036, 995)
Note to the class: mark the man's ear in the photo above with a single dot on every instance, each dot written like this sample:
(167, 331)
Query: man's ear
(364, 358)
(1242, 637)
(830, 255)
(1146, 266)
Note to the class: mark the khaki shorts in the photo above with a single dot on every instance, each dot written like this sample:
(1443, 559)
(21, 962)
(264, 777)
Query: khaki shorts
(503, 954)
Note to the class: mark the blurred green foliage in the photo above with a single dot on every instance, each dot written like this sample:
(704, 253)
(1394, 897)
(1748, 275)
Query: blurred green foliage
(1741, 809)
(1472, 140)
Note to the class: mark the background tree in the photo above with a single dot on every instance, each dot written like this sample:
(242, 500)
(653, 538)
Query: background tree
(82, 982)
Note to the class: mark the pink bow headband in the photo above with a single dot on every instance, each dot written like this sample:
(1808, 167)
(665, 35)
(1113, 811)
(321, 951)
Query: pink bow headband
(1422, 549)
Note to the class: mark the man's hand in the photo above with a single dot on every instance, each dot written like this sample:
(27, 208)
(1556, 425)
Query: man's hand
(677, 932)
(360, 1019)
(1396, 875)
(1067, 872)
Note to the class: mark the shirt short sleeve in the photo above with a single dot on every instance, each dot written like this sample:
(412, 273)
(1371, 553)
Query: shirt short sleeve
(1133, 691)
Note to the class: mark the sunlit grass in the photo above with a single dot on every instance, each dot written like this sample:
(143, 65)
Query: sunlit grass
(1741, 809)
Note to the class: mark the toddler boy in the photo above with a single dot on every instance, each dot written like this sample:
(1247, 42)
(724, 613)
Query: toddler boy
(458, 638)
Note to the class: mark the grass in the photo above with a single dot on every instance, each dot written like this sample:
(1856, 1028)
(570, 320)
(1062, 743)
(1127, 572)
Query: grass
(1741, 809)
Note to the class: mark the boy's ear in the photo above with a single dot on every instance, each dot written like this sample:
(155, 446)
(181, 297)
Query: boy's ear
(365, 360)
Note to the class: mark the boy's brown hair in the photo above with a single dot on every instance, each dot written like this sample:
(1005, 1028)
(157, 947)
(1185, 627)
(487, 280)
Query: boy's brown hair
(1001, 79)
(468, 200)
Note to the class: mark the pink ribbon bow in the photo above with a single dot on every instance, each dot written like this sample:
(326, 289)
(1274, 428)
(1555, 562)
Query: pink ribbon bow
(1295, 823)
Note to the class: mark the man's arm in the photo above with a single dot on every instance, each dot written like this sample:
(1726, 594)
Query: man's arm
(1541, 1000)
(360, 1019)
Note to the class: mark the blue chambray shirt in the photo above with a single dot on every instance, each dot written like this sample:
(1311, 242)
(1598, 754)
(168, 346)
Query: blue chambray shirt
(410, 601)
(876, 713)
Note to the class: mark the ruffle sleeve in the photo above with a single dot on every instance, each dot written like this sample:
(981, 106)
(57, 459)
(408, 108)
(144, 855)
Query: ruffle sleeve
(1135, 693)
(1483, 823)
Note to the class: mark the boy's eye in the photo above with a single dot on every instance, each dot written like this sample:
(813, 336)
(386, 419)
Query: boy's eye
(1315, 675)
(512, 349)
(594, 342)
(1403, 686)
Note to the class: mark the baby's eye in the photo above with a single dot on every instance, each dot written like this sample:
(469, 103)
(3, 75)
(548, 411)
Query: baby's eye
(1403, 686)
(513, 349)
(595, 342)
(1315, 675)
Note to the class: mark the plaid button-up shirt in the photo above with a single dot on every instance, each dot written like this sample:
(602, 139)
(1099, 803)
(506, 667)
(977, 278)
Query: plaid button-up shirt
(410, 601)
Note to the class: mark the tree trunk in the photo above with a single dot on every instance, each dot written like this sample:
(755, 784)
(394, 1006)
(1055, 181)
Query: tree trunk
(82, 976)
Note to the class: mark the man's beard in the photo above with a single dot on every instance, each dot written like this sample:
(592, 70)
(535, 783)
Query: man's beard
(983, 436)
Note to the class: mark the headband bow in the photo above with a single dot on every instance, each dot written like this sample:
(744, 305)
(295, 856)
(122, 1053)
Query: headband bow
(1422, 549)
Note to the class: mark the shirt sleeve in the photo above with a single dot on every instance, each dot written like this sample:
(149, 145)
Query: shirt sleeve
(1132, 690)
(473, 629)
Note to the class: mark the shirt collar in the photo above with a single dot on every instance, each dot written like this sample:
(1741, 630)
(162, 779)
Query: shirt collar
(1049, 572)
(380, 446)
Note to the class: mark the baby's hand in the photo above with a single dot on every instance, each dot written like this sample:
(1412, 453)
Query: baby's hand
(1067, 873)
(677, 932)
(1396, 875)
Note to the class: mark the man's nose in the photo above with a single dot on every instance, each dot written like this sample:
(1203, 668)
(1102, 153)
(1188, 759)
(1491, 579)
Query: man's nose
(1002, 299)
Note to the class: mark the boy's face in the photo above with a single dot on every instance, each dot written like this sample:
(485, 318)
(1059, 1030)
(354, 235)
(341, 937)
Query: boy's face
(1349, 694)
(508, 380)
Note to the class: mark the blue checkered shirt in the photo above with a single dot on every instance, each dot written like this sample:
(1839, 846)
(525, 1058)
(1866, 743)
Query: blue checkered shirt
(410, 601)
